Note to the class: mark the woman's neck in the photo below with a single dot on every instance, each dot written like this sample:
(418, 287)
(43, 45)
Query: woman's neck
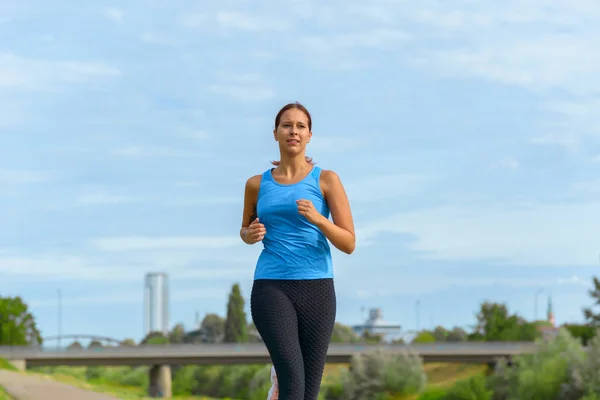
(293, 166)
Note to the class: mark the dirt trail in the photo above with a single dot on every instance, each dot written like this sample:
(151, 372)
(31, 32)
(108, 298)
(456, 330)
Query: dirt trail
(30, 387)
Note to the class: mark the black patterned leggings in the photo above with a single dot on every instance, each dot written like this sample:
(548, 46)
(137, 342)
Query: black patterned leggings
(295, 319)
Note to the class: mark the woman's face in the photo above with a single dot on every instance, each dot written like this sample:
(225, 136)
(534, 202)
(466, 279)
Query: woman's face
(293, 133)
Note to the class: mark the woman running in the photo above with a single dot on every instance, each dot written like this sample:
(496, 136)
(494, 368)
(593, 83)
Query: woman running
(293, 301)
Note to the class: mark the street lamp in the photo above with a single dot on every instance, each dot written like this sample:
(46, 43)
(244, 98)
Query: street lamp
(418, 314)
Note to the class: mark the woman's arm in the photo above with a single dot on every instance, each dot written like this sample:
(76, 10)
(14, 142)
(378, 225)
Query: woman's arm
(340, 232)
(251, 232)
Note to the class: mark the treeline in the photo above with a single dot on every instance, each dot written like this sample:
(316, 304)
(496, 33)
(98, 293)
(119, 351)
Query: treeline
(560, 367)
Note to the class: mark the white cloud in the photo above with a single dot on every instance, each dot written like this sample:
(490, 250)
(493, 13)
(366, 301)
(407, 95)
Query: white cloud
(193, 20)
(31, 74)
(183, 263)
(507, 163)
(150, 152)
(539, 234)
(562, 62)
(582, 116)
(339, 51)
(24, 176)
(387, 186)
(64, 267)
(206, 200)
(431, 284)
(134, 296)
(114, 14)
(568, 140)
(252, 22)
(243, 92)
(235, 20)
(377, 38)
(545, 47)
(197, 135)
(101, 197)
(127, 243)
(589, 187)
(333, 144)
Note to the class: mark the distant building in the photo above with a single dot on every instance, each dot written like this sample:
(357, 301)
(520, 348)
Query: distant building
(156, 303)
(549, 331)
(551, 312)
(376, 325)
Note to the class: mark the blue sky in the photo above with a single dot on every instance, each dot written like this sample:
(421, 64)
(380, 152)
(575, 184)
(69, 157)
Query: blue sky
(466, 135)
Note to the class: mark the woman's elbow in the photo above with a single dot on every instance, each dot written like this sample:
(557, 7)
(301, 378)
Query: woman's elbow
(349, 248)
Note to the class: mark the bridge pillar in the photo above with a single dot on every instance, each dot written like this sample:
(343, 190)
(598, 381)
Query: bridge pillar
(160, 382)
(21, 365)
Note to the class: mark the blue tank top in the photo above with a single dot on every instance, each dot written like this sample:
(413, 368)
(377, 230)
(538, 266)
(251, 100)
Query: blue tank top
(293, 247)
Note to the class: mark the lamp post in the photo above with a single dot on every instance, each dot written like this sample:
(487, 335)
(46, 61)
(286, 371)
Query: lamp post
(59, 318)
(418, 314)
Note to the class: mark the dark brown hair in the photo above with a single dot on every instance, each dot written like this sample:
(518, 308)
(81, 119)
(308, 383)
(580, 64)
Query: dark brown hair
(296, 106)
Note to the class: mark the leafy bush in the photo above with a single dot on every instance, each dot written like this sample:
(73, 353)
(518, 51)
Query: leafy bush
(433, 394)
(260, 383)
(95, 373)
(537, 376)
(135, 377)
(234, 381)
(183, 382)
(5, 364)
(583, 332)
(424, 337)
(375, 375)
(584, 374)
(473, 388)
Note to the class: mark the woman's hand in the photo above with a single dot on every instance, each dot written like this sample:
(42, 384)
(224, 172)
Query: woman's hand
(255, 232)
(308, 210)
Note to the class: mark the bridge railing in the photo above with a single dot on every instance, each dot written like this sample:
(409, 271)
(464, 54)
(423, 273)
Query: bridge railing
(468, 347)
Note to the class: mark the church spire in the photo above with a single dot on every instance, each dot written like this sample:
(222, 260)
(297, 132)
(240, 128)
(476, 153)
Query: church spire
(550, 311)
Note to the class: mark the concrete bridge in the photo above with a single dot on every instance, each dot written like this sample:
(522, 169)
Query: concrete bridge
(161, 357)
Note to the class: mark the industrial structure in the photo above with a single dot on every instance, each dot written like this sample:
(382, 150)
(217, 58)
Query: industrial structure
(376, 326)
(156, 303)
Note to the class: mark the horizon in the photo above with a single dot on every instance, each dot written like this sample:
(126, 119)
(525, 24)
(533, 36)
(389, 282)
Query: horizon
(466, 137)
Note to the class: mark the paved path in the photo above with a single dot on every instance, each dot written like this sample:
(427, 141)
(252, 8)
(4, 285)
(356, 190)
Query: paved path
(31, 387)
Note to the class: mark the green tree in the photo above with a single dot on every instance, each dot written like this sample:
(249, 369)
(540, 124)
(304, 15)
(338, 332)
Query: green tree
(75, 346)
(95, 344)
(236, 326)
(17, 324)
(154, 338)
(128, 343)
(177, 334)
(495, 323)
(457, 335)
(592, 317)
(440, 334)
(424, 337)
(213, 326)
(343, 334)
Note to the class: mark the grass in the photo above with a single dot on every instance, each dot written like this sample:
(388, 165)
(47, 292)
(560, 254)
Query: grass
(122, 392)
(75, 376)
(4, 395)
(5, 364)
(440, 376)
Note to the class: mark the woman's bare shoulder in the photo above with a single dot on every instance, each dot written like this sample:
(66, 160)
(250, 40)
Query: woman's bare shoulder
(330, 177)
(253, 183)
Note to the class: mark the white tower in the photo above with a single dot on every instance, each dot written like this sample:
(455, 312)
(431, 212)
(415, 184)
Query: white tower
(156, 303)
